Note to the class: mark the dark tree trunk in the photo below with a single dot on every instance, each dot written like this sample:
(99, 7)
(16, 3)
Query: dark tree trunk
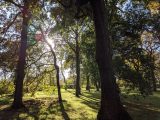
(57, 73)
(78, 88)
(88, 83)
(58, 83)
(97, 87)
(20, 71)
(111, 107)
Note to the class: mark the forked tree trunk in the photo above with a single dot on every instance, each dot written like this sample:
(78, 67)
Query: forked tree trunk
(20, 70)
(111, 107)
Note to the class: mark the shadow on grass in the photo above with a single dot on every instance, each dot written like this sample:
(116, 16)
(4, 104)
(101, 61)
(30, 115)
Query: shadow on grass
(91, 99)
(139, 111)
(56, 107)
(31, 110)
(64, 114)
(140, 107)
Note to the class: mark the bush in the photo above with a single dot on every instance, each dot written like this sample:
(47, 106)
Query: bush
(6, 87)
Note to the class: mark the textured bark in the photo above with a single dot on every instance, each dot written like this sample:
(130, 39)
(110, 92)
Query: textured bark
(78, 88)
(111, 107)
(20, 71)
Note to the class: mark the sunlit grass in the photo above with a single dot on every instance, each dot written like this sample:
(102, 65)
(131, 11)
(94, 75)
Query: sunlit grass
(44, 106)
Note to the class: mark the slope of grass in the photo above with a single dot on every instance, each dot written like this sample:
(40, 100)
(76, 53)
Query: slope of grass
(44, 106)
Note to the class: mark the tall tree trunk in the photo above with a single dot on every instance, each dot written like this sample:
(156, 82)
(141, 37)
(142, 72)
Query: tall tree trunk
(56, 67)
(88, 83)
(58, 83)
(78, 88)
(111, 107)
(57, 72)
(20, 71)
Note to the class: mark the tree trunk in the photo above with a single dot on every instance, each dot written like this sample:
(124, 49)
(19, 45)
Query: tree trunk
(57, 72)
(88, 83)
(78, 89)
(97, 87)
(99, 83)
(64, 79)
(152, 67)
(58, 84)
(111, 107)
(153, 79)
(56, 67)
(20, 71)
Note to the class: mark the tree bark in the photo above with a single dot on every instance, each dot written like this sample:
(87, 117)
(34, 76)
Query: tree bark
(88, 83)
(20, 71)
(111, 107)
(78, 88)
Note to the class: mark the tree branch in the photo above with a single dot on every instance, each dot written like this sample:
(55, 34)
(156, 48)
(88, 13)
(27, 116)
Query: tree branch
(10, 24)
(11, 1)
(65, 6)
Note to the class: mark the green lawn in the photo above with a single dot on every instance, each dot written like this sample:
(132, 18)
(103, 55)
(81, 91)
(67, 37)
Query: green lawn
(44, 106)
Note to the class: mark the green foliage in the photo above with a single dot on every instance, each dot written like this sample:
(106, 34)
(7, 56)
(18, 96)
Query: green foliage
(6, 87)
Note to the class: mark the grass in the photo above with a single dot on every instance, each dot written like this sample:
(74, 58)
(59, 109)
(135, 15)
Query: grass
(44, 106)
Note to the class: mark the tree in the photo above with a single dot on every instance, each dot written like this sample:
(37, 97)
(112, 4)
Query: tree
(70, 29)
(20, 70)
(17, 103)
(55, 66)
(111, 107)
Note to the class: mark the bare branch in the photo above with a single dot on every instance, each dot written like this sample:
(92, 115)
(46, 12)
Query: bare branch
(10, 24)
(11, 1)
(37, 59)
